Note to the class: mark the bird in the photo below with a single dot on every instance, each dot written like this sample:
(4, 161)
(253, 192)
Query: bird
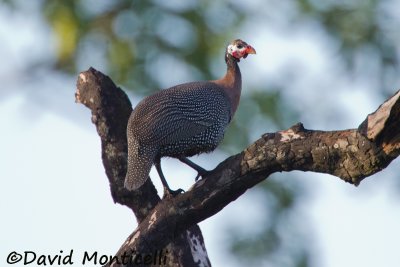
(182, 121)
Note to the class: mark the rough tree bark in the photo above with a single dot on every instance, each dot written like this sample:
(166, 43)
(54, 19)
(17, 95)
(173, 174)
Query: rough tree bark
(170, 225)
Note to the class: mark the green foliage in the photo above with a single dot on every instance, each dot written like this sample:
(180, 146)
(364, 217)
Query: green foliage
(362, 28)
(135, 34)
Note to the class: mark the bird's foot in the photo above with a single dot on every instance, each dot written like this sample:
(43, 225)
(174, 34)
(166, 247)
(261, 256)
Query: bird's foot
(201, 173)
(168, 192)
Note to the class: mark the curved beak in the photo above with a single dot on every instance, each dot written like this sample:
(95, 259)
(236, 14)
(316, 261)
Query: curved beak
(250, 50)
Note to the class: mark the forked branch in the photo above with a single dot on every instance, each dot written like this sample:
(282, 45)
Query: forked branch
(351, 155)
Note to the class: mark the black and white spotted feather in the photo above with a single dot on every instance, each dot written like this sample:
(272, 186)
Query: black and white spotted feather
(184, 120)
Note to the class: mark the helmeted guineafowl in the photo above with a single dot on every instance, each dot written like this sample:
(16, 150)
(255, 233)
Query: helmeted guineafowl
(183, 120)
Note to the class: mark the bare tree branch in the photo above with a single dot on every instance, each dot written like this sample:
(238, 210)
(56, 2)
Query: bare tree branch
(351, 155)
(111, 109)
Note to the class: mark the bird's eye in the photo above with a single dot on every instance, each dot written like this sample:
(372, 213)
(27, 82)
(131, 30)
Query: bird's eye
(239, 46)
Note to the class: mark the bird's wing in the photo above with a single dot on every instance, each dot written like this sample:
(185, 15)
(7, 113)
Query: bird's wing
(181, 113)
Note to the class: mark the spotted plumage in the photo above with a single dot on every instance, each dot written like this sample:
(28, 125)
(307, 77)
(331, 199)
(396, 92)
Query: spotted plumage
(183, 120)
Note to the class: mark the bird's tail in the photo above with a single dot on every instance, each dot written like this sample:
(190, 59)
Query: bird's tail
(140, 160)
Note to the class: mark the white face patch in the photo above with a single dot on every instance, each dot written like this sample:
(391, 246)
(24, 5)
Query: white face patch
(231, 48)
(236, 52)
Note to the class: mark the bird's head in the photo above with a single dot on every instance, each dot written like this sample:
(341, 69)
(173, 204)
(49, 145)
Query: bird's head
(239, 49)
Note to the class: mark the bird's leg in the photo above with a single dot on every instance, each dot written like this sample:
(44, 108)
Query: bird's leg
(200, 171)
(167, 189)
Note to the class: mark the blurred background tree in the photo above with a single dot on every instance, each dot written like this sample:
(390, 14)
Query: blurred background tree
(147, 45)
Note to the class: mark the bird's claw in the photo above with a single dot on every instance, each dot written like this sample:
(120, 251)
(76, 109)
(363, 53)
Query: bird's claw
(201, 174)
(172, 193)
